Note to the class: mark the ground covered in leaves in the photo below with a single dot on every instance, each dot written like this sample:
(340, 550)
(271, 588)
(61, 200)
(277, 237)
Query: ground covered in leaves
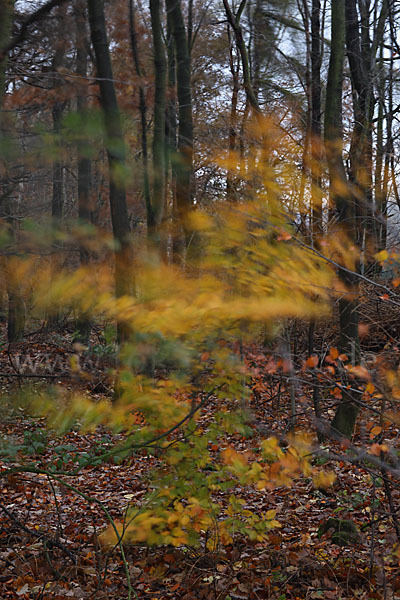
(50, 527)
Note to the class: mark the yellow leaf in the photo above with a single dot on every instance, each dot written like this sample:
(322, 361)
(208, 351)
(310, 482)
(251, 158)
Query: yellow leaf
(270, 514)
(230, 457)
(370, 388)
(324, 479)
(271, 449)
(382, 255)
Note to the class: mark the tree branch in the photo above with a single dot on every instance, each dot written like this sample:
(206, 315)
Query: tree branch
(38, 15)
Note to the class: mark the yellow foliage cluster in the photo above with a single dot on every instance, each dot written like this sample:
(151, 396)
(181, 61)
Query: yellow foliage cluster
(248, 271)
(173, 526)
(184, 520)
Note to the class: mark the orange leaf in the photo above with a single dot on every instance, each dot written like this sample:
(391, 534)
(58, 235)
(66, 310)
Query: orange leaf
(334, 353)
(337, 392)
(375, 431)
(376, 449)
(169, 558)
(363, 329)
(312, 361)
(283, 236)
(360, 372)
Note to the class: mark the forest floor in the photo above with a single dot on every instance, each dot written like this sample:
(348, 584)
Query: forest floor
(49, 534)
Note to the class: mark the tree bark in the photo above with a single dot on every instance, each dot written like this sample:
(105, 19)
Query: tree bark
(143, 116)
(380, 188)
(84, 164)
(160, 69)
(316, 142)
(361, 52)
(184, 162)
(16, 304)
(234, 22)
(171, 146)
(234, 69)
(57, 114)
(116, 154)
(340, 196)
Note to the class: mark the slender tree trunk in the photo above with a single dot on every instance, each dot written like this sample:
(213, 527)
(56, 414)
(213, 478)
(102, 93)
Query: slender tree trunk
(84, 165)
(116, 154)
(306, 159)
(143, 116)
(234, 22)
(361, 52)
(316, 142)
(190, 26)
(380, 188)
(57, 200)
(171, 146)
(57, 114)
(184, 162)
(256, 56)
(58, 168)
(16, 305)
(160, 69)
(234, 68)
(344, 203)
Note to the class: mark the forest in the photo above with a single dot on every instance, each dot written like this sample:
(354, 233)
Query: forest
(199, 301)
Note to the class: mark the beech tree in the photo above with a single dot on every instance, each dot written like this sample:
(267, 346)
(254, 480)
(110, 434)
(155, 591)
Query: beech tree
(115, 151)
(184, 157)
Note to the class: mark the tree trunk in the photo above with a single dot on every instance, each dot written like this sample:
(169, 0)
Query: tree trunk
(380, 188)
(16, 304)
(143, 116)
(340, 196)
(234, 22)
(116, 154)
(234, 69)
(84, 166)
(171, 146)
(316, 143)
(361, 52)
(160, 69)
(184, 162)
